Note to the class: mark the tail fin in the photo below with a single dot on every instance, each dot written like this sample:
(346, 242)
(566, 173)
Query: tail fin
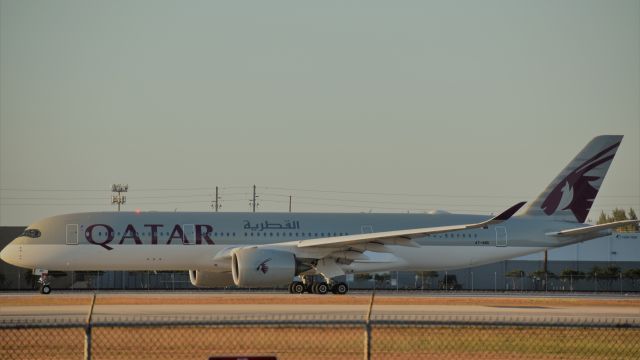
(571, 194)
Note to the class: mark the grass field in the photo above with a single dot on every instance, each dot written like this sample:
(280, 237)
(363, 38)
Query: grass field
(427, 342)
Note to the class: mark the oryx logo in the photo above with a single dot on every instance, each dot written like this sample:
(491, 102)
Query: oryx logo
(576, 191)
(263, 266)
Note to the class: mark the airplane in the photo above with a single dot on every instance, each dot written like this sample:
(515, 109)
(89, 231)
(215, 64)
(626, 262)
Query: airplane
(276, 249)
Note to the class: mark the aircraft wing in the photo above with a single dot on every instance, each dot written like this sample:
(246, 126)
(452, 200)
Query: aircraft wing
(593, 228)
(402, 237)
(375, 242)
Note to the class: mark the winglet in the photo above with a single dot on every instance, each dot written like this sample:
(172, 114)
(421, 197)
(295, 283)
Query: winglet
(503, 216)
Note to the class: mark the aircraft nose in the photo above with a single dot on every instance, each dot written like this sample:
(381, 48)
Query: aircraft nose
(8, 254)
(3, 253)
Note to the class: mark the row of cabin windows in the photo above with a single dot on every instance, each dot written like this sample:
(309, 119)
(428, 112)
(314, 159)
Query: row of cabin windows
(454, 235)
(294, 234)
(257, 234)
(216, 234)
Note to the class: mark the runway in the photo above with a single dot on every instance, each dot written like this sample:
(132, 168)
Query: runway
(136, 307)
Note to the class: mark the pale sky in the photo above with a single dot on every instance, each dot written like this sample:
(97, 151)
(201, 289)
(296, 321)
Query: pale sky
(392, 106)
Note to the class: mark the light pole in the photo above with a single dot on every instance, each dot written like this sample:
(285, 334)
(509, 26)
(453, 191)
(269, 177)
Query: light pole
(119, 199)
(254, 200)
(215, 204)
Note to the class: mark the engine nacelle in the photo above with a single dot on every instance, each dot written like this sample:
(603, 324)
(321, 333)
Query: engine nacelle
(210, 279)
(253, 267)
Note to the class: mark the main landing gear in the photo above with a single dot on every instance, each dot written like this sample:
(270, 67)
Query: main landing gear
(340, 288)
(317, 287)
(44, 284)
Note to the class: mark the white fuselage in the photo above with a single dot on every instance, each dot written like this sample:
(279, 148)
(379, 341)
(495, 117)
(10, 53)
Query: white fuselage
(186, 241)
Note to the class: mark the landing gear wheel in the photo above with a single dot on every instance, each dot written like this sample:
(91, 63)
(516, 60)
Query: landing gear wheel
(340, 288)
(313, 288)
(290, 288)
(322, 288)
(45, 289)
(297, 287)
(44, 283)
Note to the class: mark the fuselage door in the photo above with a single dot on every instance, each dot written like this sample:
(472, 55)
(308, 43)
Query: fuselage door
(189, 231)
(72, 234)
(501, 236)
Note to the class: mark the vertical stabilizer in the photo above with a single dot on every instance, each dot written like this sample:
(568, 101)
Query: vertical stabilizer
(571, 194)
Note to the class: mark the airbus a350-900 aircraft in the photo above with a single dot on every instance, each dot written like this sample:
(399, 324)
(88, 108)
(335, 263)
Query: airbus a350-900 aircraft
(271, 249)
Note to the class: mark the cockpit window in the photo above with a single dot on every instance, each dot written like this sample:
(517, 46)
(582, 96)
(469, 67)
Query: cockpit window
(32, 233)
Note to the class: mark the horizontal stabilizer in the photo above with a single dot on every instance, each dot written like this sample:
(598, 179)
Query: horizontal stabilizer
(593, 228)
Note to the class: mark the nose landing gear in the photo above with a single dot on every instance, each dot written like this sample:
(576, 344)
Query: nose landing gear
(44, 283)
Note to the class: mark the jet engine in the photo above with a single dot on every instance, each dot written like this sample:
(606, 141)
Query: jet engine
(254, 267)
(210, 279)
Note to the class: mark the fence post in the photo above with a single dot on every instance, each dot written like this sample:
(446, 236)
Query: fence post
(367, 329)
(87, 330)
(621, 283)
(472, 281)
(446, 274)
(546, 281)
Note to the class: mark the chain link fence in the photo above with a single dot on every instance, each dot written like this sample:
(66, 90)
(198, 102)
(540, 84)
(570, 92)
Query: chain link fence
(309, 337)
